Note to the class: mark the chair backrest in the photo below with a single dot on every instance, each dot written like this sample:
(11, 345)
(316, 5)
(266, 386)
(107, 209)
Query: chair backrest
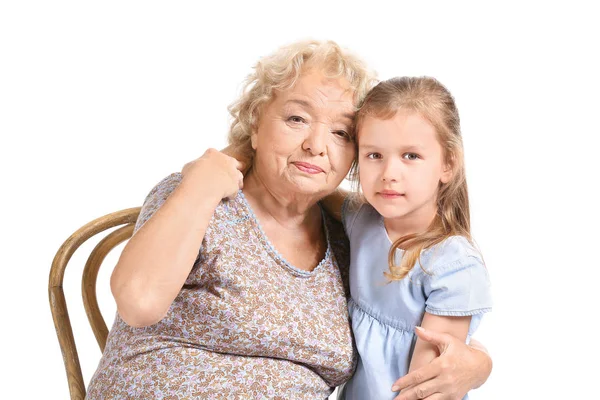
(58, 304)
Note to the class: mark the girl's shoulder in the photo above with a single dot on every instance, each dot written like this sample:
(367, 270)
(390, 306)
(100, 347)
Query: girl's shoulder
(353, 203)
(453, 253)
(457, 247)
(356, 209)
(457, 282)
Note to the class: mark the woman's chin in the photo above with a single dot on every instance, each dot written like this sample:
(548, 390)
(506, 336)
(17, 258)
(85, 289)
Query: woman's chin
(305, 185)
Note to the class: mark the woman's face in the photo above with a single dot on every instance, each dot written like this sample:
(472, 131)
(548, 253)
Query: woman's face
(302, 141)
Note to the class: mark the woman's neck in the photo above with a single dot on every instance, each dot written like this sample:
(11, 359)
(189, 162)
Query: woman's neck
(288, 209)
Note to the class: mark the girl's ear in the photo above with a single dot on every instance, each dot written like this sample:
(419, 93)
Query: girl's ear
(447, 173)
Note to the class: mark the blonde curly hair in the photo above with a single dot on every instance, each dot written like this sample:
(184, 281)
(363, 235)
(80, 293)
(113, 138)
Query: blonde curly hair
(280, 71)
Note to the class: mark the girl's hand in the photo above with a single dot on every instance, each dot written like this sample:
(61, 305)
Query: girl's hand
(215, 172)
(458, 369)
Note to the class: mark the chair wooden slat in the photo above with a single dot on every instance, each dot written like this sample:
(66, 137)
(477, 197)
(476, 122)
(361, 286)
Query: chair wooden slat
(90, 275)
(58, 305)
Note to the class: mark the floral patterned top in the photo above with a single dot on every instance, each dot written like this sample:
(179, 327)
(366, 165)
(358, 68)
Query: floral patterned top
(246, 324)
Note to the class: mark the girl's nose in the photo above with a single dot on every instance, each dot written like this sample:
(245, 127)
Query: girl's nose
(390, 172)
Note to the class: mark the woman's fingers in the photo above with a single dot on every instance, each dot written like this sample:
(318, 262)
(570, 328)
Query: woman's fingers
(237, 174)
(219, 172)
(431, 370)
(441, 340)
(423, 374)
(240, 180)
(436, 396)
(451, 375)
(430, 380)
(422, 391)
(420, 394)
(241, 166)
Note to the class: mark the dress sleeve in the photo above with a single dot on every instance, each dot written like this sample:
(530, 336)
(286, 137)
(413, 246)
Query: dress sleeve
(156, 198)
(461, 288)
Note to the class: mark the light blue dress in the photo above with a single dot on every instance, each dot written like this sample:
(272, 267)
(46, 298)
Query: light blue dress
(384, 315)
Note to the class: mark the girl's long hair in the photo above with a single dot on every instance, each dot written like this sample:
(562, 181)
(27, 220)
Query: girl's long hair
(431, 100)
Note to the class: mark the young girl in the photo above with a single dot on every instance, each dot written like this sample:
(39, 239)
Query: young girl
(412, 259)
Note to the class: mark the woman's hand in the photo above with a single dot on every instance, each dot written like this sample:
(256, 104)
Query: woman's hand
(239, 155)
(216, 173)
(458, 369)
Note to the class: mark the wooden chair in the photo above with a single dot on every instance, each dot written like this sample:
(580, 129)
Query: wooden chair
(58, 304)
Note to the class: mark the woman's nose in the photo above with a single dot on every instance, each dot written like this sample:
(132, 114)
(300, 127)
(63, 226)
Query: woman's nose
(316, 141)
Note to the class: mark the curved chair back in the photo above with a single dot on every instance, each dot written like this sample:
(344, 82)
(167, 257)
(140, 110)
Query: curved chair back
(58, 304)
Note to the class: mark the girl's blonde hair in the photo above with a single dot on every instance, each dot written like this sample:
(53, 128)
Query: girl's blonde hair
(280, 71)
(432, 101)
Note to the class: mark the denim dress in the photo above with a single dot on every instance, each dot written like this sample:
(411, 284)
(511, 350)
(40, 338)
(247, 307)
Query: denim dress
(384, 315)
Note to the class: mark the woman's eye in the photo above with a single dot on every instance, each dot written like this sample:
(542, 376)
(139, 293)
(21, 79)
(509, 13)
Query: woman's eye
(296, 119)
(374, 156)
(342, 134)
(411, 156)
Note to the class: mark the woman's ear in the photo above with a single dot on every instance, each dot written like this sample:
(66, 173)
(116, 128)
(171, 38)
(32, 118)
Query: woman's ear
(253, 139)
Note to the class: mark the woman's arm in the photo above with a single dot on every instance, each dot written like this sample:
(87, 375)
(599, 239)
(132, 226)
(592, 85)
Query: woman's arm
(479, 346)
(458, 369)
(426, 352)
(159, 257)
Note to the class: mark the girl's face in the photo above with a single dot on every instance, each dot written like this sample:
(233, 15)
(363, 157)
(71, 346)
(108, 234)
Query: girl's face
(400, 167)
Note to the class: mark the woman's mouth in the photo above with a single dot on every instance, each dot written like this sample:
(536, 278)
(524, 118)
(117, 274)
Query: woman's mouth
(308, 168)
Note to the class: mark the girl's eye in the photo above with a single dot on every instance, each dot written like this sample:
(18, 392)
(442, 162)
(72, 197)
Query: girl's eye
(296, 119)
(411, 156)
(374, 156)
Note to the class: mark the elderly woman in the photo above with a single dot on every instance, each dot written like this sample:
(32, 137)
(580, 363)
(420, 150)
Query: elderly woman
(230, 293)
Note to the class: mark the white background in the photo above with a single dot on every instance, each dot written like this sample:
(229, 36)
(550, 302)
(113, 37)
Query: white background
(99, 101)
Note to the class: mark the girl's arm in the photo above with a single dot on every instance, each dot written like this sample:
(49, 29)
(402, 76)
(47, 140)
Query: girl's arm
(333, 203)
(458, 369)
(425, 352)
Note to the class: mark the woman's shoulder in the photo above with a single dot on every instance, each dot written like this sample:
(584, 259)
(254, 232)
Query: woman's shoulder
(166, 185)
(336, 235)
(340, 248)
(232, 211)
(157, 196)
